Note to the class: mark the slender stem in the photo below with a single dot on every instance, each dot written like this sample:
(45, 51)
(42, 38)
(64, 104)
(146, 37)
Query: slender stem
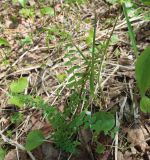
(104, 54)
(131, 33)
(93, 58)
(80, 52)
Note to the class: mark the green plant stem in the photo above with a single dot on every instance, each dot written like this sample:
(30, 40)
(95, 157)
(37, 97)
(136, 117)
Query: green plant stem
(80, 52)
(104, 53)
(93, 58)
(131, 33)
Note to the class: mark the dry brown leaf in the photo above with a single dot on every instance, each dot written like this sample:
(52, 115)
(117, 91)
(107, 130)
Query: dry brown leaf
(120, 156)
(45, 127)
(128, 155)
(125, 61)
(31, 2)
(136, 138)
(11, 155)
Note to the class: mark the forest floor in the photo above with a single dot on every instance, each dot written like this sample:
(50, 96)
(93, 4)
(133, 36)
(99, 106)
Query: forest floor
(38, 43)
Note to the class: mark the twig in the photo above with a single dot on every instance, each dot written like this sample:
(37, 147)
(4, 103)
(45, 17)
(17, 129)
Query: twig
(118, 119)
(111, 74)
(116, 138)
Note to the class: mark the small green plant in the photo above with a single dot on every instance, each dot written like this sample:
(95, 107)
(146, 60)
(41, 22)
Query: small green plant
(27, 12)
(67, 124)
(5, 55)
(81, 82)
(47, 11)
(16, 88)
(27, 41)
(142, 63)
(4, 42)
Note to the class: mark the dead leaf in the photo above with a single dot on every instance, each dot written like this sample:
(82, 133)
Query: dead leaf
(125, 61)
(45, 127)
(11, 155)
(31, 2)
(136, 138)
(120, 156)
(128, 155)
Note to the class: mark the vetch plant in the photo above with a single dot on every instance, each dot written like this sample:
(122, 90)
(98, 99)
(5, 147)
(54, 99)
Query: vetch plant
(66, 125)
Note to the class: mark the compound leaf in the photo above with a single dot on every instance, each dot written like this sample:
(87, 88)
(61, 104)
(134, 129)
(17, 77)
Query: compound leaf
(15, 100)
(19, 86)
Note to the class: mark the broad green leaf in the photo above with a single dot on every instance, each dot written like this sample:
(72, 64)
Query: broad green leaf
(3, 42)
(15, 100)
(145, 104)
(47, 11)
(103, 122)
(34, 139)
(2, 154)
(142, 71)
(22, 2)
(100, 148)
(19, 86)
(146, 2)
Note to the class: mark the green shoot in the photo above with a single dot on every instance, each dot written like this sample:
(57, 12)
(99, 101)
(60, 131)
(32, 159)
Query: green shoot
(131, 33)
(93, 59)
